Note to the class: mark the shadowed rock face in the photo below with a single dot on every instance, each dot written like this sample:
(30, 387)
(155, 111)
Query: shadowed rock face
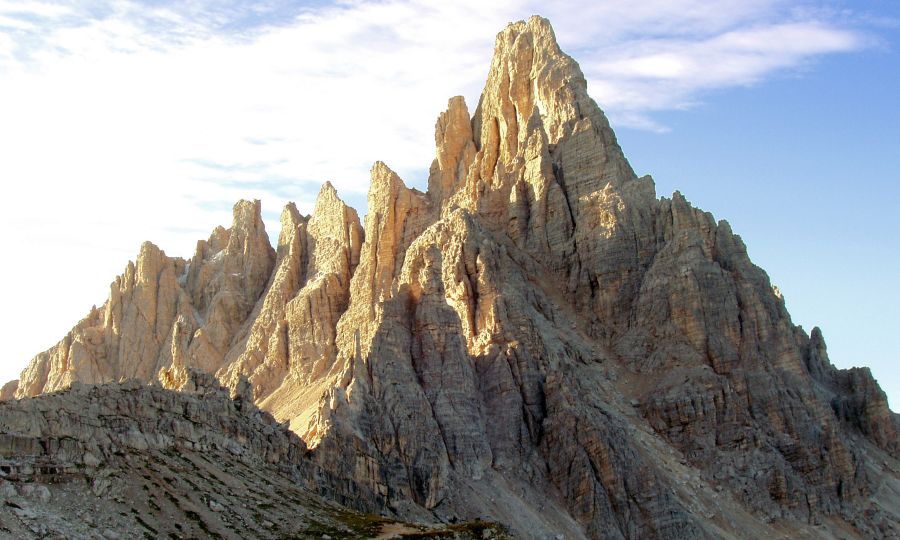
(135, 461)
(538, 340)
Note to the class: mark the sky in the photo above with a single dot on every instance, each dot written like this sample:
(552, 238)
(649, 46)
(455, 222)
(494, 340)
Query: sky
(127, 121)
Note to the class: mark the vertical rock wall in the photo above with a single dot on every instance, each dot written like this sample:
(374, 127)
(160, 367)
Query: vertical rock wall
(538, 339)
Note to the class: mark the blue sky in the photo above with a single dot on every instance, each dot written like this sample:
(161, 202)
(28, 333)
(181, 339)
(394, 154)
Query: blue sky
(124, 121)
(806, 167)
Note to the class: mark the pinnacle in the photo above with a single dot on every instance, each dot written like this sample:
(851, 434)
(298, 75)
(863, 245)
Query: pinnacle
(330, 211)
(815, 336)
(328, 197)
(384, 179)
(289, 211)
(534, 25)
(380, 168)
(493, 331)
(327, 189)
(148, 247)
(247, 211)
(290, 219)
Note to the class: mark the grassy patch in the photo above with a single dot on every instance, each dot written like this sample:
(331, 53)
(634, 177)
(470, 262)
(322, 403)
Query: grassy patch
(364, 524)
(470, 529)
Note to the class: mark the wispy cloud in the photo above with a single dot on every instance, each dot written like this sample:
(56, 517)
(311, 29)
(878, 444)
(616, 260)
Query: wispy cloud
(635, 80)
(150, 119)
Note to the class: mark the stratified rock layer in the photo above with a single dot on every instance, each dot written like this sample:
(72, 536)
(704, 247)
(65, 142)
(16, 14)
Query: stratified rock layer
(132, 461)
(537, 340)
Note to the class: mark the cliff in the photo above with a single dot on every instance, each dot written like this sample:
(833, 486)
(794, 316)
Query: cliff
(538, 340)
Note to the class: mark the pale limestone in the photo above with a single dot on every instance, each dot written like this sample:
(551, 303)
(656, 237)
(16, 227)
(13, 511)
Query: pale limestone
(162, 307)
(538, 340)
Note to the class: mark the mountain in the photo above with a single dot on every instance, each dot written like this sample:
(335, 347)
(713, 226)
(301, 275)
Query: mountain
(537, 340)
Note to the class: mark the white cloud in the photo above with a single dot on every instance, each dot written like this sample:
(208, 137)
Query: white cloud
(122, 123)
(636, 79)
(15, 23)
(34, 9)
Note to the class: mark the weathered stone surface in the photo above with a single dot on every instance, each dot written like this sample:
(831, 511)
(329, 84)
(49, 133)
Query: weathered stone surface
(289, 349)
(164, 307)
(226, 278)
(137, 461)
(9, 390)
(537, 340)
(550, 267)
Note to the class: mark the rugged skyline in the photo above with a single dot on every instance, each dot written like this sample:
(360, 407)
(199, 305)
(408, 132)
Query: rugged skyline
(537, 339)
(121, 95)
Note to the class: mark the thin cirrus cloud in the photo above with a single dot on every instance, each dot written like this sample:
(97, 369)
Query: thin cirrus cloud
(123, 122)
(663, 74)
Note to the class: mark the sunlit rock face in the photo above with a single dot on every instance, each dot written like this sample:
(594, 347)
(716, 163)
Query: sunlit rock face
(537, 340)
(165, 309)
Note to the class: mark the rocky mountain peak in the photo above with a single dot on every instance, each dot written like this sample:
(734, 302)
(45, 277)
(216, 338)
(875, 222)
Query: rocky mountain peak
(538, 339)
(333, 219)
(290, 221)
(538, 160)
(455, 150)
(248, 253)
(530, 76)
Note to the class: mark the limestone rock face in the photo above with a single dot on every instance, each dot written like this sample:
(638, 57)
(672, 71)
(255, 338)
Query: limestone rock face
(164, 310)
(8, 391)
(228, 274)
(507, 338)
(537, 340)
(289, 346)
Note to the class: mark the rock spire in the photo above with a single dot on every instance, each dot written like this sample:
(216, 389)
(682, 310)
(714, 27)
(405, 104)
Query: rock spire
(537, 339)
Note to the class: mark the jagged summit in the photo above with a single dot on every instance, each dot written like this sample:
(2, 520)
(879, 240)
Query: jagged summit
(535, 98)
(538, 340)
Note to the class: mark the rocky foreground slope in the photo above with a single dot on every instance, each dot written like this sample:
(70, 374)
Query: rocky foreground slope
(134, 461)
(536, 340)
